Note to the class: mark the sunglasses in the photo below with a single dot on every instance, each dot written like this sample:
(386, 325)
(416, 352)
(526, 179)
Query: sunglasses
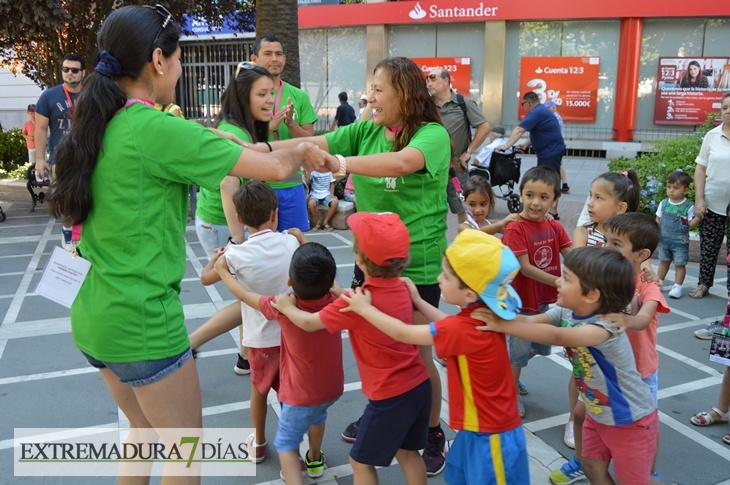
(165, 14)
(244, 65)
(433, 77)
(74, 70)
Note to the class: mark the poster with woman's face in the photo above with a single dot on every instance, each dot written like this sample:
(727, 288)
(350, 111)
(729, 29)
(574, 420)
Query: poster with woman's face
(689, 87)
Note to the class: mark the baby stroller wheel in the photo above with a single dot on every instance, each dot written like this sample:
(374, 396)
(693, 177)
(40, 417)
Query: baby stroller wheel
(513, 204)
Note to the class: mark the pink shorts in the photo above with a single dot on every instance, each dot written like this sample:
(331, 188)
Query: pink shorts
(264, 368)
(632, 447)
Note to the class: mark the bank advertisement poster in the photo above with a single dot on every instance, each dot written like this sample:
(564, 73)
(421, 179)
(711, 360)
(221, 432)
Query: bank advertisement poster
(571, 82)
(459, 68)
(688, 88)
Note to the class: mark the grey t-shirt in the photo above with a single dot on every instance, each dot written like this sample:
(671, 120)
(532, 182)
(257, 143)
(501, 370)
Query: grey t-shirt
(606, 374)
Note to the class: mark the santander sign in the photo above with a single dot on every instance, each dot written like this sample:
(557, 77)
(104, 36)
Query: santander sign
(434, 12)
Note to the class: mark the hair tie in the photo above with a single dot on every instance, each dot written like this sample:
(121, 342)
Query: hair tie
(107, 65)
(625, 174)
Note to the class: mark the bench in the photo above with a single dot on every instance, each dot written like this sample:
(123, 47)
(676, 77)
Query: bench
(339, 220)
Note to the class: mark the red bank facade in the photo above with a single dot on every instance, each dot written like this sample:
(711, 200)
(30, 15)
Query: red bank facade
(623, 73)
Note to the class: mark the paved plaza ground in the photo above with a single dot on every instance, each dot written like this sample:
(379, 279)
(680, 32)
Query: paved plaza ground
(46, 382)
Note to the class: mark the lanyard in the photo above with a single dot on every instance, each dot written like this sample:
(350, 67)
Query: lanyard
(131, 101)
(68, 97)
(276, 106)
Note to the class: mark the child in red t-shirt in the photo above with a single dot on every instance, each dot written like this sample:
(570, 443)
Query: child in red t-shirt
(477, 270)
(311, 374)
(29, 133)
(394, 377)
(537, 242)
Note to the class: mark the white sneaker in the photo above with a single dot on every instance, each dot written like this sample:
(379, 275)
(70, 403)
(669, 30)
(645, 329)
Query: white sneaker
(676, 291)
(568, 437)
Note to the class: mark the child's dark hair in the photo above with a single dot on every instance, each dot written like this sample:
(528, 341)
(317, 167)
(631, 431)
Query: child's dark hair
(641, 229)
(608, 271)
(312, 271)
(396, 268)
(624, 187)
(681, 178)
(542, 174)
(479, 185)
(255, 201)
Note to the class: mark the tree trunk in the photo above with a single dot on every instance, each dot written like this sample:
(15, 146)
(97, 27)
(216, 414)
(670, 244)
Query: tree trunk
(280, 17)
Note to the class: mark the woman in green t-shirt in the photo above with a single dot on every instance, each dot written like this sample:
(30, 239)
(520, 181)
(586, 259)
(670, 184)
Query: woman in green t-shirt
(122, 176)
(400, 161)
(245, 107)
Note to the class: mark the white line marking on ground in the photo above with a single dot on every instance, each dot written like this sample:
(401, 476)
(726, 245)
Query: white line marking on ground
(682, 326)
(716, 447)
(12, 314)
(3, 343)
(687, 360)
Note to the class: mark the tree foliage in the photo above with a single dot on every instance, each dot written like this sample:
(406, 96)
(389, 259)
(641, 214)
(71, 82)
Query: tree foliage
(35, 35)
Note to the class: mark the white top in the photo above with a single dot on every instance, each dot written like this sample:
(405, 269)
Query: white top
(715, 155)
(485, 156)
(321, 184)
(261, 264)
(690, 213)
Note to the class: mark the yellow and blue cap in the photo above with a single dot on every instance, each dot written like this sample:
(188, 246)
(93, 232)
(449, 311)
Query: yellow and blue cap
(488, 267)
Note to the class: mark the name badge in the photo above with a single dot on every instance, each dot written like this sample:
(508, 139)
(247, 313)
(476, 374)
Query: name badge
(63, 277)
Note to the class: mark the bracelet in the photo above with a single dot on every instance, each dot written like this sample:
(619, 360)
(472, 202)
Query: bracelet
(343, 164)
(269, 145)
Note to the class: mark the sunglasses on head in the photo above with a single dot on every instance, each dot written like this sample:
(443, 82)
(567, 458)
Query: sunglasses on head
(166, 15)
(74, 70)
(244, 65)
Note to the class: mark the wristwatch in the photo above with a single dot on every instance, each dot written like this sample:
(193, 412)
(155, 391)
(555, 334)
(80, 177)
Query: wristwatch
(468, 150)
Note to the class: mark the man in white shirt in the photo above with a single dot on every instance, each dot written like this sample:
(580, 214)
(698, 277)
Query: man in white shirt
(496, 138)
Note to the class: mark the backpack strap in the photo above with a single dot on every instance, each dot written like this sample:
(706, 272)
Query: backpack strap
(462, 104)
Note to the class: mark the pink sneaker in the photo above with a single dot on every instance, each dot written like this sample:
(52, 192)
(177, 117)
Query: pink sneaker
(257, 453)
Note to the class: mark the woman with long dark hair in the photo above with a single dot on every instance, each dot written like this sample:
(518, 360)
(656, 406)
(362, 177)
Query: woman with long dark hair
(693, 77)
(122, 175)
(245, 107)
(400, 161)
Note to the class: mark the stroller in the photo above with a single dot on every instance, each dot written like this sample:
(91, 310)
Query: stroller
(503, 173)
(2, 215)
(34, 183)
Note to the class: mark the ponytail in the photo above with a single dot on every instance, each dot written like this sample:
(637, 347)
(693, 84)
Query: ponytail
(625, 187)
(126, 41)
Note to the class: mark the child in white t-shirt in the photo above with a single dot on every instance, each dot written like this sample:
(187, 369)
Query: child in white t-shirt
(323, 192)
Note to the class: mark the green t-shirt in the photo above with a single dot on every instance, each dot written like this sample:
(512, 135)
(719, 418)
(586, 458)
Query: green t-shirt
(209, 206)
(128, 308)
(303, 114)
(419, 198)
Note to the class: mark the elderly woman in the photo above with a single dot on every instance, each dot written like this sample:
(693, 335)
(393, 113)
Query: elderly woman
(712, 194)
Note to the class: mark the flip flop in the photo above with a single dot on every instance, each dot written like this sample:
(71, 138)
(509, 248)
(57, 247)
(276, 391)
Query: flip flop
(726, 439)
(706, 419)
(328, 228)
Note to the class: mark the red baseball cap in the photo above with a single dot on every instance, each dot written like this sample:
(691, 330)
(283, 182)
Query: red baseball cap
(380, 235)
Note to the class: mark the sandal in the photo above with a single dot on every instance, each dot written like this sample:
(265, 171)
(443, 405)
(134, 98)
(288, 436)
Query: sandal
(699, 292)
(726, 439)
(316, 227)
(707, 419)
(327, 227)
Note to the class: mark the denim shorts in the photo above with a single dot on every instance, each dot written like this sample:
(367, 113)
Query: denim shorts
(653, 382)
(350, 197)
(138, 374)
(211, 236)
(520, 349)
(294, 422)
(674, 249)
(324, 200)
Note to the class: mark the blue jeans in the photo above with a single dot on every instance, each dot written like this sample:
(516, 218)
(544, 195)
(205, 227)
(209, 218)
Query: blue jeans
(211, 236)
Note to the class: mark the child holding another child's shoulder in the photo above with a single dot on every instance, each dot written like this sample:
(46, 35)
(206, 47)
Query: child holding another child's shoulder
(622, 422)
(311, 373)
(675, 215)
(479, 196)
(394, 377)
(477, 270)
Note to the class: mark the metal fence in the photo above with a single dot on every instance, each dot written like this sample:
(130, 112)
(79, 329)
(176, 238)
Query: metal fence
(207, 69)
